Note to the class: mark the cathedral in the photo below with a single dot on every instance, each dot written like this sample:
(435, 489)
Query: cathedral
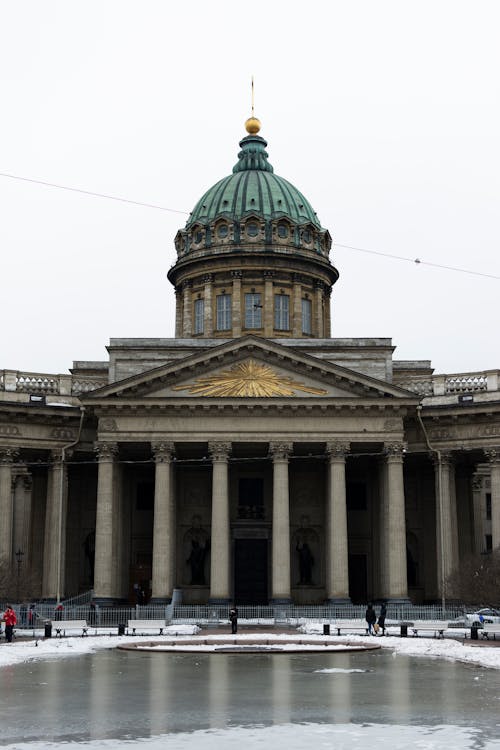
(253, 458)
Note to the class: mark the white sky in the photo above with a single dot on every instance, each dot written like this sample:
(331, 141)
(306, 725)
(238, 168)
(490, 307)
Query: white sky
(386, 115)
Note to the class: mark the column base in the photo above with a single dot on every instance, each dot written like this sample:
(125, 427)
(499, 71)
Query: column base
(108, 601)
(339, 601)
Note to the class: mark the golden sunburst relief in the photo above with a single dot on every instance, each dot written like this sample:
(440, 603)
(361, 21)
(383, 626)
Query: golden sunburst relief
(248, 378)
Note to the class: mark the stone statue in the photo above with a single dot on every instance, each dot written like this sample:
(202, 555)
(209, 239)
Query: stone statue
(306, 562)
(196, 560)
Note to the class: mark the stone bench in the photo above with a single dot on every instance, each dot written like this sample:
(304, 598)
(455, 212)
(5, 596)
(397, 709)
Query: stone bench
(63, 627)
(350, 626)
(145, 627)
(429, 626)
(492, 628)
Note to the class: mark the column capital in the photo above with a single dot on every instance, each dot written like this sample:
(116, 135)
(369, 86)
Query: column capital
(106, 451)
(237, 274)
(208, 278)
(446, 458)
(280, 451)
(492, 454)
(219, 451)
(269, 275)
(394, 451)
(162, 451)
(8, 456)
(337, 449)
(187, 284)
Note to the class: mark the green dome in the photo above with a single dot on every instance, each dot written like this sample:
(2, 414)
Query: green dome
(253, 188)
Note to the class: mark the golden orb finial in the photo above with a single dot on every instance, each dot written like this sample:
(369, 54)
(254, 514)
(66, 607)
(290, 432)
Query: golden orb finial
(252, 125)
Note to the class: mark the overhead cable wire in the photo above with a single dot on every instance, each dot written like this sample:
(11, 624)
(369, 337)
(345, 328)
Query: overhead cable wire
(416, 261)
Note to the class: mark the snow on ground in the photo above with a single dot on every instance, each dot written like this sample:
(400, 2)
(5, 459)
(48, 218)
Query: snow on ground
(454, 648)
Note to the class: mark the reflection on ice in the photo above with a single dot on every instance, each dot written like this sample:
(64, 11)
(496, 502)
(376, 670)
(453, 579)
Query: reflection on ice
(296, 737)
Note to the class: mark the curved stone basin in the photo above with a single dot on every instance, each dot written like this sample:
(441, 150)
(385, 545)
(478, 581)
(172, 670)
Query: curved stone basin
(222, 645)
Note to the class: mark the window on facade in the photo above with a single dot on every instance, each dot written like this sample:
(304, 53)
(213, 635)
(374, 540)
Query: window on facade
(145, 495)
(282, 230)
(488, 506)
(198, 237)
(253, 311)
(223, 312)
(222, 230)
(488, 540)
(282, 312)
(252, 229)
(251, 497)
(306, 316)
(306, 235)
(356, 496)
(199, 315)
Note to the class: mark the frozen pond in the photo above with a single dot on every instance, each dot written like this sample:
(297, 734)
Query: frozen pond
(122, 699)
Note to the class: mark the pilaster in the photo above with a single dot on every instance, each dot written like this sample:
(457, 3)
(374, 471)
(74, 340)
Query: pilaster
(236, 317)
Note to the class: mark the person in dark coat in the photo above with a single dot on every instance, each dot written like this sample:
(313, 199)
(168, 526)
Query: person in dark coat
(382, 616)
(371, 618)
(233, 617)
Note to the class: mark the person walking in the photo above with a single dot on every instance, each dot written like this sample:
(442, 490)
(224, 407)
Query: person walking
(233, 617)
(10, 619)
(371, 618)
(382, 616)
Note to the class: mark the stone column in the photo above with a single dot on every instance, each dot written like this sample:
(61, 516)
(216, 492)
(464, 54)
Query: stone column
(446, 526)
(187, 314)
(493, 456)
(281, 523)
(328, 313)
(268, 304)
(164, 525)
(478, 533)
(236, 316)
(297, 307)
(7, 458)
(395, 526)
(318, 326)
(105, 536)
(54, 547)
(208, 322)
(178, 313)
(22, 513)
(219, 560)
(337, 569)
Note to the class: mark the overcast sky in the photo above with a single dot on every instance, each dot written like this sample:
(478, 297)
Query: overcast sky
(386, 115)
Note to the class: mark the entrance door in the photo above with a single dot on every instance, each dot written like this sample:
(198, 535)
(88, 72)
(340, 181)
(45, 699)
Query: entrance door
(358, 579)
(250, 571)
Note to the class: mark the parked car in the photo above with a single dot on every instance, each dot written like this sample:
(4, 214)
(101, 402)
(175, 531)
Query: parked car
(487, 614)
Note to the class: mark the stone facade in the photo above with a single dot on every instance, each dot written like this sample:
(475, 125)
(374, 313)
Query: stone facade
(252, 458)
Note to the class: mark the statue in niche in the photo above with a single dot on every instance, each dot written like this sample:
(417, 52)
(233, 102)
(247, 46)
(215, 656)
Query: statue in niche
(196, 561)
(306, 562)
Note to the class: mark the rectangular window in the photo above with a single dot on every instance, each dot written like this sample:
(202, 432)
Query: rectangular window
(488, 506)
(199, 315)
(253, 311)
(488, 540)
(223, 312)
(307, 316)
(282, 312)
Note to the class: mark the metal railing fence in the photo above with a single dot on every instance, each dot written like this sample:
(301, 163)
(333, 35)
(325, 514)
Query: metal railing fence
(107, 617)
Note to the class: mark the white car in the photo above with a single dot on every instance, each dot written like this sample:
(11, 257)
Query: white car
(480, 616)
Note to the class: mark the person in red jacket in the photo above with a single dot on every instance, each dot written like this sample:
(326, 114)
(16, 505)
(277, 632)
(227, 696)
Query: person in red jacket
(10, 619)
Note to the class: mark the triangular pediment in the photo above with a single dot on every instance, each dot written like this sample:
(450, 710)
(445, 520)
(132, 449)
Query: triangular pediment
(249, 368)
